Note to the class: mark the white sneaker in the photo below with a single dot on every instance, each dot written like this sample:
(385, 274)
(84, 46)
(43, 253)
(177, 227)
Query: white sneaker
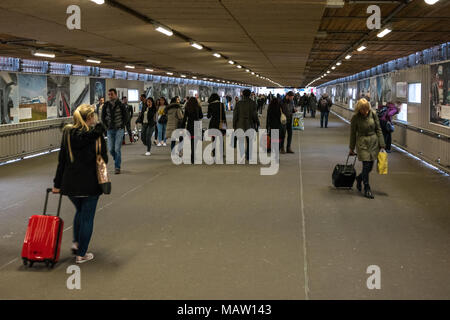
(148, 154)
(159, 144)
(164, 144)
(87, 257)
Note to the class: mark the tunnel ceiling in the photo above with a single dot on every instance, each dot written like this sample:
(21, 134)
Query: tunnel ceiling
(289, 41)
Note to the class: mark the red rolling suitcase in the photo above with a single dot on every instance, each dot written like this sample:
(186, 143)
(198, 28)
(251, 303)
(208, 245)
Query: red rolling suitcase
(43, 238)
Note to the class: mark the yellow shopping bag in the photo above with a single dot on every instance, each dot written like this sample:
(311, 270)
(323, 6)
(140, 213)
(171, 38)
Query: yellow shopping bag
(382, 167)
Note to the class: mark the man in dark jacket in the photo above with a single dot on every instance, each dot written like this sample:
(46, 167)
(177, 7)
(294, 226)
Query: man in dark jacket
(245, 116)
(324, 107)
(114, 116)
(288, 108)
(130, 112)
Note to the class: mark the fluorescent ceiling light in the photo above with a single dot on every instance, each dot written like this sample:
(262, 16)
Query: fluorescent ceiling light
(339, 63)
(183, 76)
(253, 73)
(333, 67)
(239, 67)
(217, 55)
(98, 1)
(149, 70)
(361, 48)
(129, 67)
(194, 77)
(247, 70)
(231, 62)
(348, 56)
(93, 61)
(164, 30)
(431, 2)
(43, 54)
(169, 73)
(197, 46)
(205, 78)
(384, 32)
(328, 71)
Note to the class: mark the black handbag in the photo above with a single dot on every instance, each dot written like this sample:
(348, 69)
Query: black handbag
(389, 126)
(163, 119)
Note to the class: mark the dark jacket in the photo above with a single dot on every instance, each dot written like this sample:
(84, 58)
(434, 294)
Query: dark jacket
(328, 104)
(304, 100)
(245, 115)
(190, 117)
(79, 178)
(313, 102)
(150, 116)
(214, 110)
(114, 116)
(273, 118)
(130, 112)
(288, 108)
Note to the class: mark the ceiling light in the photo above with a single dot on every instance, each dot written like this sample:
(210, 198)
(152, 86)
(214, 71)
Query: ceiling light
(129, 67)
(194, 77)
(328, 71)
(205, 78)
(183, 76)
(361, 48)
(384, 32)
(149, 70)
(247, 70)
(239, 67)
(431, 2)
(169, 73)
(338, 63)
(231, 62)
(253, 73)
(197, 46)
(217, 55)
(164, 30)
(211, 79)
(43, 54)
(333, 67)
(93, 61)
(348, 56)
(98, 1)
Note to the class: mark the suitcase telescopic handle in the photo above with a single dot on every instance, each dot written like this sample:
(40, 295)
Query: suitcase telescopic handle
(354, 161)
(49, 190)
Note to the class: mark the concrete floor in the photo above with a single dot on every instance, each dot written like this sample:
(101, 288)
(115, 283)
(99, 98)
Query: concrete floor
(226, 232)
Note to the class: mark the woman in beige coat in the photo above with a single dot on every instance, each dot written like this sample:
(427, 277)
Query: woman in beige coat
(367, 137)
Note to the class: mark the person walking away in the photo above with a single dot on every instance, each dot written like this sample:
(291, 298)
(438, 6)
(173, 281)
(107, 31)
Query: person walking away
(130, 112)
(142, 101)
(324, 106)
(162, 122)
(245, 116)
(193, 112)
(273, 121)
(217, 116)
(76, 175)
(147, 120)
(366, 135)
(303, 103)
(99, 108)
(288, 110)
(114, 116)
(385, 116)
(174, 112)
(313, 104)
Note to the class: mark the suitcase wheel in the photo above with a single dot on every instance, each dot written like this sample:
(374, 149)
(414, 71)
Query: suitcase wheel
(25, 261)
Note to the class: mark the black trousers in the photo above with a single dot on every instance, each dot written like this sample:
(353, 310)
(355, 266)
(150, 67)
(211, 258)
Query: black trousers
(130, 134)
(288, 132)
(367, 168)
(387, 138)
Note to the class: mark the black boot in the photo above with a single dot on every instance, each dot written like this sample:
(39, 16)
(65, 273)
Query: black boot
(359, 183)
(368, 192)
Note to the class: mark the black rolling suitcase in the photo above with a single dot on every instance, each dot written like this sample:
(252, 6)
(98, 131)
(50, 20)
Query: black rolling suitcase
(344, 175)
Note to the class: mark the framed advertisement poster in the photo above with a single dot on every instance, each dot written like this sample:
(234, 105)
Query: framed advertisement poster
(440, 94)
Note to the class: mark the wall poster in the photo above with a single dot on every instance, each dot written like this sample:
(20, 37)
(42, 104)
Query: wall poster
(97, 90)
(79, 92)
(9, 98)
(58, 97)
(32, 93)
(440, 94)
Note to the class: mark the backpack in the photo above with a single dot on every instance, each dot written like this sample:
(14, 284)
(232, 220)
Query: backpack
(381, 112)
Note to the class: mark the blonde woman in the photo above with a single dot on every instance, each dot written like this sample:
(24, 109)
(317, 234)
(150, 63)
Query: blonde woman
(76, 175)
(367, 137)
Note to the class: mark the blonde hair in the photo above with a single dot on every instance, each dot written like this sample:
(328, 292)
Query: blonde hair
(80, 116)
(362, 104)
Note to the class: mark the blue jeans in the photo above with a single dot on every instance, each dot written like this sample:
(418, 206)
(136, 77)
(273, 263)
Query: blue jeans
(162, 132)
(324, 116)
(83, 223)
(115, 138)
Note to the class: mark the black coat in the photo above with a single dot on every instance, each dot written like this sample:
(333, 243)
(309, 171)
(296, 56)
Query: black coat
(214, 114)
(150, 116)
(114, 116)
(273, 118)
(190, 117)
(79, 178)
